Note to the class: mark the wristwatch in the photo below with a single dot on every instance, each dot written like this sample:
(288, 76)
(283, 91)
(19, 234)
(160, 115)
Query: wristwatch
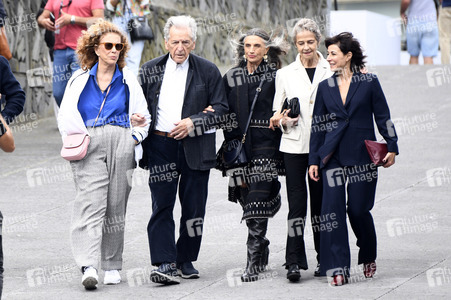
(72, 20)
(2, 128)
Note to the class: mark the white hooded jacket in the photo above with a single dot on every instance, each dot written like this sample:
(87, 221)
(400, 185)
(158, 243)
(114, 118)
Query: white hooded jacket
(70, 120)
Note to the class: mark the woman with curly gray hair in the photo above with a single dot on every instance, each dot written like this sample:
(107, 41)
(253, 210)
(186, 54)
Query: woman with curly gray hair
(257, 187)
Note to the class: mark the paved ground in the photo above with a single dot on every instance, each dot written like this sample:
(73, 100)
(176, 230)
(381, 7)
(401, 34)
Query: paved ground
(412, 217)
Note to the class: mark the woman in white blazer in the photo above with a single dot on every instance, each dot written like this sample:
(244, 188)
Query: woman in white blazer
(300, 80)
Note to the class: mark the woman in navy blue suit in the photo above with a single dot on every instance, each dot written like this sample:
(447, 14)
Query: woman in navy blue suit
(342, 119)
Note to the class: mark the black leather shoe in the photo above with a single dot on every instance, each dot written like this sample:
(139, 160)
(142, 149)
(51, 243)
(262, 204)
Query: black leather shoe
(165, 274)
(187, 270)
(317, 272)
(293, 273)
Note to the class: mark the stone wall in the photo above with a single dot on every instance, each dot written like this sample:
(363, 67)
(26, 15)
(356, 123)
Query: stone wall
(218, 20)
(30, 62)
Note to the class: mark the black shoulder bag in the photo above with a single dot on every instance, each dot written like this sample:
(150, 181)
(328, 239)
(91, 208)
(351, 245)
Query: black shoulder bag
(138, 26)
(232, 154)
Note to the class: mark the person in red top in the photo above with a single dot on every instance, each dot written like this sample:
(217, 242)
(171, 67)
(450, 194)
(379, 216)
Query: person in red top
(67, 18)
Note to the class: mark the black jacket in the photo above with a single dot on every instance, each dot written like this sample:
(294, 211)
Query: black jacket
(261, 142)
(203, 88)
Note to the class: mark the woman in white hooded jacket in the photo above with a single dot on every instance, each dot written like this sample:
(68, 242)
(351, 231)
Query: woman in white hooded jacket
(99, 100)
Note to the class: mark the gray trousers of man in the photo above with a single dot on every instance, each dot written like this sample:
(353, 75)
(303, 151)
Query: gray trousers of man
(102, 191)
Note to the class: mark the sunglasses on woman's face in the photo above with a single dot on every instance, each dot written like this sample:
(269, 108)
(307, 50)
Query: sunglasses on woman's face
(109, 46)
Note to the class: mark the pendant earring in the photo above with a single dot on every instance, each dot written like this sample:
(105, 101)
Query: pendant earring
(265, 57)
(244, 57)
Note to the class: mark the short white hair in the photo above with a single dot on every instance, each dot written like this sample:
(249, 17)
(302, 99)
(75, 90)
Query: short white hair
(306, 24)
(181, 22)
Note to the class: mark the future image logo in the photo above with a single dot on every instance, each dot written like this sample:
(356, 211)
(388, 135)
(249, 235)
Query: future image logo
(194, 227)
(412, 224)
(438, 176)
(438, 276)
(234, 277)
(236, 77)
(438, 76)
(295, 227)
(138, 277)
(335, 177)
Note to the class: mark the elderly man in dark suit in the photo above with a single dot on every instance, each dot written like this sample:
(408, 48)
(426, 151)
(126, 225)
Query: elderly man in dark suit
(180, 148)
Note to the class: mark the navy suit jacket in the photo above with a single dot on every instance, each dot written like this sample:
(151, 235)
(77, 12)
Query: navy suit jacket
(204, 87)
(12, 91)
(340, 130)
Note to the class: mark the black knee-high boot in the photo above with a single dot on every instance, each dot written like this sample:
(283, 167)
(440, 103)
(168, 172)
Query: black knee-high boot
(257, 249)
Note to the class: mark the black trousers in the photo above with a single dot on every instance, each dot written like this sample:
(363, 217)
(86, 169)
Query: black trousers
(358, 183)
(169, 170)
(296, 166)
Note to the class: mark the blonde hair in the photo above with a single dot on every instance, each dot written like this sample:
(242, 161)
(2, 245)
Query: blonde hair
(90, 39)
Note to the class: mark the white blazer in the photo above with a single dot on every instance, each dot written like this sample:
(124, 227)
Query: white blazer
(70, 120)
(293, 81)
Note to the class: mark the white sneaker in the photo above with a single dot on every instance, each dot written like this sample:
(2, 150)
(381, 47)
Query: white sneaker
(90, 278)
(112, 277)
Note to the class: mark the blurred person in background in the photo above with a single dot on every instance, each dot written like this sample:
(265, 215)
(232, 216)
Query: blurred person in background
(123, 11)
(99, 101)
(67, 18)
(420, 18)
(15, 97)
(11, 91)
(7, 145)
(444, 28)
(300, 79)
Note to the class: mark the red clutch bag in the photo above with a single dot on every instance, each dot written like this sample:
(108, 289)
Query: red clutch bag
(377, 151)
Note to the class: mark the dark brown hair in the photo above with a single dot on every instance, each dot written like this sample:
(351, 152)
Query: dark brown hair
(347, 43)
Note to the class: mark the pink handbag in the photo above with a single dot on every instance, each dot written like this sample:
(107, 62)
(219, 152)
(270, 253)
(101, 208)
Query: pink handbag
(75, 146)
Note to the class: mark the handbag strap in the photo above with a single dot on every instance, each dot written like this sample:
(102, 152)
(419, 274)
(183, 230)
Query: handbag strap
(129, 10)
(101, 107)
(259, 89)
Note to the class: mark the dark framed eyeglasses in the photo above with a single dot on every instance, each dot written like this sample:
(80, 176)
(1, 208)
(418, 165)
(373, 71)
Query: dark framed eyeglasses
(109, 46)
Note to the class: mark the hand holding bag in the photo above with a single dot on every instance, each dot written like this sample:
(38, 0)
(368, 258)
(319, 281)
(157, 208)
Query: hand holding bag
(377, 151)
(75, 146)
(293, 106)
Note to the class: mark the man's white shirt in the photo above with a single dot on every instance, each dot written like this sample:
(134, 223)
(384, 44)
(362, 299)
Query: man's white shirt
(172, 94)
